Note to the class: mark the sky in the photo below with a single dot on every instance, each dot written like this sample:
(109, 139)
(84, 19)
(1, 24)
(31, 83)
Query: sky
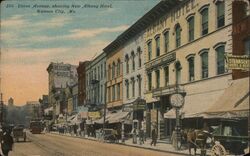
(30, 39)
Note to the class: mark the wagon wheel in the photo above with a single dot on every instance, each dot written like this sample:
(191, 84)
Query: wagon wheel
(218, 150)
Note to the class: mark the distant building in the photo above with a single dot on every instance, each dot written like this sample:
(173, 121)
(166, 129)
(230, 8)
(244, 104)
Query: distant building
(96, 79)
(60, 75)
(10, 102)
(81, 71)
(33, 109)
(44, 102)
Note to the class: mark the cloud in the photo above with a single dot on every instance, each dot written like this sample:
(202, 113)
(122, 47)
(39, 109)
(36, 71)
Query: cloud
(27, 56)
(55, 22)
(14, 21)
(74, 34)
(85, 33)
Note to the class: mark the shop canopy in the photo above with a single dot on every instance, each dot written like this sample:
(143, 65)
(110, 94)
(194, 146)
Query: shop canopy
(48, 110)
(195, 104)
(234, 103)
(115, 117)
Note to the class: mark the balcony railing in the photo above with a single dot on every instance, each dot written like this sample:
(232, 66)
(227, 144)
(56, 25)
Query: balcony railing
(168, 90)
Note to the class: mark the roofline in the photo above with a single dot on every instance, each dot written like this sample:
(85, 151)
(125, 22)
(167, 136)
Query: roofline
(141, 24)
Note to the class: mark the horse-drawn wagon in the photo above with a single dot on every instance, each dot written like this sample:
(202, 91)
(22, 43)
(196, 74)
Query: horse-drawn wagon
(225, 138)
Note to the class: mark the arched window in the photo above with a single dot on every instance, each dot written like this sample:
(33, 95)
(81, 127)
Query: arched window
(220, 52)
(166, 41)
(191, 68)
(139, 56)
(157, 75)
(133, 60)
(178, 68)
(204, 65)
(133, 86)
(220, 14)
(191, 28)
(127, 63)
(157, 48)
(118, 72)
(127, 88)
(204, 21)
(149, 81)
(113, 70)
(149, 50)
(109, 72)
(178, 35)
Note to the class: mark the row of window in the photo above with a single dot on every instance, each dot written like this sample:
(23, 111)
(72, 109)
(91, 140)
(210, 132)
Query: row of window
(96, 94)
(220, 62)
(220, 5)
(133, 81)
(114, 70)
(97, 73)
(139, 52)
(114, 92)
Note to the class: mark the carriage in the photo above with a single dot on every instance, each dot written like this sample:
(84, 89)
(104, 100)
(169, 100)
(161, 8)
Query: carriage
(225, 138)
(109, 135)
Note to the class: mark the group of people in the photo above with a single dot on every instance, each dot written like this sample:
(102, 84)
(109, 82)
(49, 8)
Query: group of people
(6, 141)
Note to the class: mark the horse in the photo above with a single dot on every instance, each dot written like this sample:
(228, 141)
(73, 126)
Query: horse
(196, 138)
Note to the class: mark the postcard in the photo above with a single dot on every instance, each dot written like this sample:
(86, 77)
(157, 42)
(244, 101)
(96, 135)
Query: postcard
(124, 77)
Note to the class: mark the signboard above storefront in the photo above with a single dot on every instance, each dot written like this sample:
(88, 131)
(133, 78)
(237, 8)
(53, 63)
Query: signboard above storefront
(94, 115)
(241, 62)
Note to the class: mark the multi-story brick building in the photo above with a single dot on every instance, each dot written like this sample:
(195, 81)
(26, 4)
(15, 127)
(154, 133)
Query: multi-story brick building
(60, 75)
(81, 71)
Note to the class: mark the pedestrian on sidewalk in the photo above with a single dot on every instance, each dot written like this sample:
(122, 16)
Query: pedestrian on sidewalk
(154, 136)
(143, 127)
(7, 142)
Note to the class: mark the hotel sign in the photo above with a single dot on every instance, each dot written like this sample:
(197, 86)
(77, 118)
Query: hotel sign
(164, 60)
(241, 62)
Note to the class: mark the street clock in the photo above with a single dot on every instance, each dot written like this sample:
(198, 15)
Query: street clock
(177, 100)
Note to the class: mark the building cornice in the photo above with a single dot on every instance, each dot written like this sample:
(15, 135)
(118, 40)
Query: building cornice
(140, 25)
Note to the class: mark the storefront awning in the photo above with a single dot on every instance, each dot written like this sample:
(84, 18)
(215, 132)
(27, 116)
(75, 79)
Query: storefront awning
(195, 104)
(48, 110)
(234, 103)
(115, 117)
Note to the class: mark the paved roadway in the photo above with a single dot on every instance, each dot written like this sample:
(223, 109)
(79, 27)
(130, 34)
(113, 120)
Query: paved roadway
(56, 145)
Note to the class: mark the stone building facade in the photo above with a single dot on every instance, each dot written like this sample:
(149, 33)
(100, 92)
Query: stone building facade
(60, 75)
(186, 46)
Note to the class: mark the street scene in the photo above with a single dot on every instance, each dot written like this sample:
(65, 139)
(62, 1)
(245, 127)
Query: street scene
(55, 145)
(125, 78)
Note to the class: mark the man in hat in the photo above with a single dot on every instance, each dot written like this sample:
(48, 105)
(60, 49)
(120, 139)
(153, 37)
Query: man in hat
(154, 136)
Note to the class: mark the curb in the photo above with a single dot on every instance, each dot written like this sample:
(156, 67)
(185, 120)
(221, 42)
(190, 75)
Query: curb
(147, 148)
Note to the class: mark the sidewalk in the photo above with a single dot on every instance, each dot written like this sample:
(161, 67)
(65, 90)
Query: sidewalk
(160, 146)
